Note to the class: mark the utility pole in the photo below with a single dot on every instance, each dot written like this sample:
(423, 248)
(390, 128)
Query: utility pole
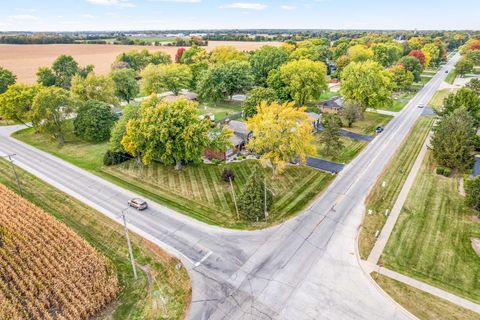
(132, 260)
(9, 156)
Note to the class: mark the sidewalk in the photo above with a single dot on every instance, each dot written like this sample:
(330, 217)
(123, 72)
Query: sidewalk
(467, 304)
(397, 208)
(380, 111)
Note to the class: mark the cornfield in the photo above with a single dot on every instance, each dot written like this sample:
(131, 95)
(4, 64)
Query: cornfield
(46, 270)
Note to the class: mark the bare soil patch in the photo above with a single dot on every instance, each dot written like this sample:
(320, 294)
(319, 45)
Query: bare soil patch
(24, 60)
(476, 246)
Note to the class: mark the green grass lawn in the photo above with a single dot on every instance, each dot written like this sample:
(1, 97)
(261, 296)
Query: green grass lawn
(431, 240)
(383, 198)
(161, 291)
(371, 120)
(351, 147)
(400, 101)
(221, 110)
(437, 100)
(197, 190)
(422, 304)
(452, 75)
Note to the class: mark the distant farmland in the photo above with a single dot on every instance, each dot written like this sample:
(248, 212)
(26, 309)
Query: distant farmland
(24, 60)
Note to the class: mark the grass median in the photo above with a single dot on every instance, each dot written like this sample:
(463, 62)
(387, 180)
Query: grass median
(386, 190)
(162, 290)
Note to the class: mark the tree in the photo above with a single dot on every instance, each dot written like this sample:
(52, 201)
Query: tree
(224, 54)
(474, 56)
(159, 57)
(46, 77)
(360, 52)
(367, 84)
(64, 68)
(93, 87)
(474, 85)
(463, 98)
(452, 142)
(94, 121)
(170, 132)
(282, 133)
(350, 113)
(120, 127)
(413, 65)
(341, 63)
(386, 53)
(330, 135)
(434, 52)
(138, 60)
(315, 53)
(51, 107)
(257, 96)
(179, 54)
(472, 191)
(224, 80)
(304, 79)
(463, 66)
(16, 103)
(251, 202)
(165, 77)
(266, 59)
(419, 55)
(126, 86)
(401, 77)
(192, 55)
(7, 78)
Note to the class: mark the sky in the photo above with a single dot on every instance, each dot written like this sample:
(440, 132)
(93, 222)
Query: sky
(116, 15)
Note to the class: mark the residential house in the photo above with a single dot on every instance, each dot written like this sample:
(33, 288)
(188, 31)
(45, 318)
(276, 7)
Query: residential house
(191, 96)
(239, 140)
(332, 105)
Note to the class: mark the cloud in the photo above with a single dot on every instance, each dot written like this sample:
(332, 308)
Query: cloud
(24, 17)
(118, 3)
(87, 16)
(287, 7)
(244, 6)
(178, 1)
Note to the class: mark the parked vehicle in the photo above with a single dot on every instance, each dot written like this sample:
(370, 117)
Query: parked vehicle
(379, 130)
(138, 204)
(446, 71)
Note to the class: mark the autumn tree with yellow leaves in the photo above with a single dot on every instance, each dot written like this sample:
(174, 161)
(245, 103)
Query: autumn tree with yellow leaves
(281, 133)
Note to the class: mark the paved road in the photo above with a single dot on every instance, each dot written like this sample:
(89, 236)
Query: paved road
(305, 268)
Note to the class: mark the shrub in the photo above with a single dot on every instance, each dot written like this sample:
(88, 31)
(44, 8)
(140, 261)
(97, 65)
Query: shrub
(472, 190)
(440, 170)
(228, 175)
(112, 158)
(447, 172)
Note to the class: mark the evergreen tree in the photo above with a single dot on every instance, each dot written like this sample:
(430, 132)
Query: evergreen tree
(251, 202)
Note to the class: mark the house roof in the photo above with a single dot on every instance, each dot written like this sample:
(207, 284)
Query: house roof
(236, 140)
(238, 127)
(333, 103)
(187, 95)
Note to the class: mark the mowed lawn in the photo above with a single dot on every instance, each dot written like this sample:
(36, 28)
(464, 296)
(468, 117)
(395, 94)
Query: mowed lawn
(437, 101)
(422, 304)
(350, 149)
(196, 190)
(385, 192)
(431, 240)
(370, 121)
(162, 290)
(220, 110)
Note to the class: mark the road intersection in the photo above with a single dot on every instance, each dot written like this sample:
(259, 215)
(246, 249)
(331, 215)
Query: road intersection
(305, 268)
